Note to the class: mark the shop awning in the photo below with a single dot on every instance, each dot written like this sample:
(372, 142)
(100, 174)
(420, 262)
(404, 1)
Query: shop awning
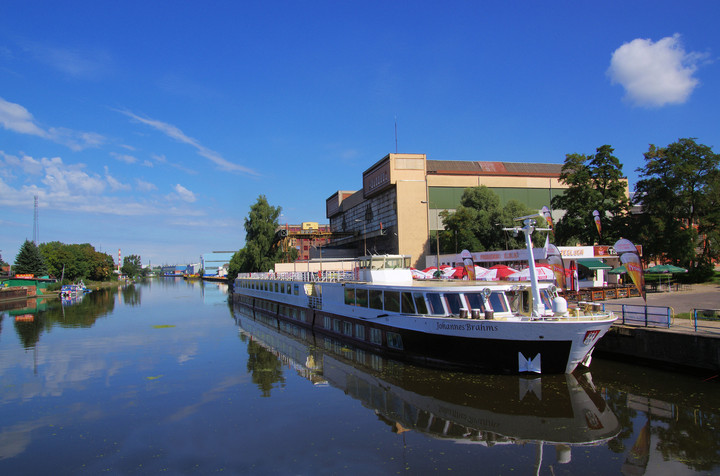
(593, 264)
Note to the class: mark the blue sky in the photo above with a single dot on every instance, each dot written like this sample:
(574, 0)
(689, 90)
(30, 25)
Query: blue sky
(154, 126)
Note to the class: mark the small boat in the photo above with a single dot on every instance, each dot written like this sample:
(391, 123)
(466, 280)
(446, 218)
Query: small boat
(478, 326)
(70, 290)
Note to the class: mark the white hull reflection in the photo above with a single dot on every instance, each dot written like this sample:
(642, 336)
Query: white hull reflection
(560, 410)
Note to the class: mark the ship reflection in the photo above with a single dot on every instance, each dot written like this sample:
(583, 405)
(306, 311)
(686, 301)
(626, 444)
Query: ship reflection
(559, 410)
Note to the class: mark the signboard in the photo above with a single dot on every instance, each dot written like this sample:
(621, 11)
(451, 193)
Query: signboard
(24, 276)
(376, 179)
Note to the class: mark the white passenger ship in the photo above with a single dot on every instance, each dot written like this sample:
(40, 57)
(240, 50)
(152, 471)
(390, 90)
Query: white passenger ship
(492, 327)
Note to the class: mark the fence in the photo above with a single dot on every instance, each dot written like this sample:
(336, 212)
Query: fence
(601, 294)
(705, 317)
(647, 316)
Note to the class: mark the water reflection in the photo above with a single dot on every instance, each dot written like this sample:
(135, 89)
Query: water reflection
(33, 317)
(559, 410)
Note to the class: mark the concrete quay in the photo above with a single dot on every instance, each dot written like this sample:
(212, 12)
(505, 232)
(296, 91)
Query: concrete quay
(679, 347)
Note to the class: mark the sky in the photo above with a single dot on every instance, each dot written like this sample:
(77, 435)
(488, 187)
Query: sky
(152, 127)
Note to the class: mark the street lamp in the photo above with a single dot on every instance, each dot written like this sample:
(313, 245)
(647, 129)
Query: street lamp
(364, 235)
(437, 236)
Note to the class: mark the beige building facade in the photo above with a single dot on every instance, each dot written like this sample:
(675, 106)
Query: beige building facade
(397, 210)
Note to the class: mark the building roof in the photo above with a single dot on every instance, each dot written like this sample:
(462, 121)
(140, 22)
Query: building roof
(460, 167)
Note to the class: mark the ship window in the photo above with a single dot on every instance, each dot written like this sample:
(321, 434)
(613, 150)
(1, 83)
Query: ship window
(476, 301)
(360, 331)
(327, 323)
(376, 336)
(435, 304)
(277, 286)
(289, 288)
(302, 315)
(376, 301)
(546, 299)
(454, 303)
(347, 328)
(282, 288)
(336, 325)
(394, 340)
(361, 297)
(296, 289)
(420, 303)
(498, 302)
(392, 301)
(408, 307)
(350, 296)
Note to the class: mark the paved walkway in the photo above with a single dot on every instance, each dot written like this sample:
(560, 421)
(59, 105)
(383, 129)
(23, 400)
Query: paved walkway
(696, 296)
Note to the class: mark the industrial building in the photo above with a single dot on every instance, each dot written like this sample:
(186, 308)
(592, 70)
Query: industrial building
(397, 211)
(213, 261)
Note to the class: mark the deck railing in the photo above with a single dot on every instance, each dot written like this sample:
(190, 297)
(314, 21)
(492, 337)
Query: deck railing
(307, 276)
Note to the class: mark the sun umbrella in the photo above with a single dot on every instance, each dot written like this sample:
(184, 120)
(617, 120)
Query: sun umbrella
(543, 274)
(502, 271)
(666, 268)
(619, 270)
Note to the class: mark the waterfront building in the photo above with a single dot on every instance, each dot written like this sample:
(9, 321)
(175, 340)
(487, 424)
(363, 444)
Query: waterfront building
(213, 261)
(307, 238)
(398, 209)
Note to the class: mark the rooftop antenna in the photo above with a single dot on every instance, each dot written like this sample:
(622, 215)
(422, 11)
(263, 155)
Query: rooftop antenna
(35, 222)
(396, 149)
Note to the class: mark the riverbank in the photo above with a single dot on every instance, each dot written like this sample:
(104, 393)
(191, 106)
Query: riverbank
(679, 347)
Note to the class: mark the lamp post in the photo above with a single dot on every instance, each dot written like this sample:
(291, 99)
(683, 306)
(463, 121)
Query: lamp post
(437, 236)
(364, 235)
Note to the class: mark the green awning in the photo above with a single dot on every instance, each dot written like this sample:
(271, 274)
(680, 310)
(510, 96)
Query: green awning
(593, 264)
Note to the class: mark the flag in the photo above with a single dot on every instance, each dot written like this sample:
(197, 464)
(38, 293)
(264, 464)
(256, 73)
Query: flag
(555, 261)
(545, 212)
(596, 215)
(629, 257)
(467, 259)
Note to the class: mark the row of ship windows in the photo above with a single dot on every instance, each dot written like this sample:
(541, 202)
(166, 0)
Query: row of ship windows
(271, 286)
(438, 304)
(358, 331)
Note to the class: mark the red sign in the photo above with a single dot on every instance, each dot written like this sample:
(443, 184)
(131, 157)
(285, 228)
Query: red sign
(24, 276)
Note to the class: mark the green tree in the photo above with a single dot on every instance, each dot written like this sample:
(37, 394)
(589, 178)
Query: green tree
(679, 191)
(477, 224)
(77, 262)
(132, 266)
(261, 251)
(595, 182)
(29, 260)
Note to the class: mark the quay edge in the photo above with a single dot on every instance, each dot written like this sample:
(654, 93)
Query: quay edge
(661, 348)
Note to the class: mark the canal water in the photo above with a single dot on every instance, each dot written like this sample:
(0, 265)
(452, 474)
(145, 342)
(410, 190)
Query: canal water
(167, 376)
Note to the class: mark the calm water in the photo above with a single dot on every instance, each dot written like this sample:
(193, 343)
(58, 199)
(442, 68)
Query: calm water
(166, 376)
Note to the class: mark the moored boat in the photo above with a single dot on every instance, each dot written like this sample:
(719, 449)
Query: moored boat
(561, 410)
(493, 327)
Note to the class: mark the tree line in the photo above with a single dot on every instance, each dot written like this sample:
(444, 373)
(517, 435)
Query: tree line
(73, 262)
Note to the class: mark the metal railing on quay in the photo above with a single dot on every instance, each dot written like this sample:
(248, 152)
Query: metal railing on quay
(646, 316)
(703, 317)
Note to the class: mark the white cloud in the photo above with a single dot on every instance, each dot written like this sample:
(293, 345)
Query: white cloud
(115, 184)
(184, 194)
(82, 63)
(16, 118)
(175, 133)
(128, 159)
(655, 74)
(145, 186)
